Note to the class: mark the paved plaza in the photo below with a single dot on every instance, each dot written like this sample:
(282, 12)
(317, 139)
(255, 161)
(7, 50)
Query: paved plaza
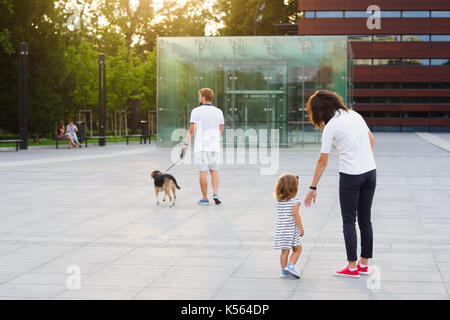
(95, 209)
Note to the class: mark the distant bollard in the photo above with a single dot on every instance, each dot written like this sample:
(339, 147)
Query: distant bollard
(81, 130)
(144, 130)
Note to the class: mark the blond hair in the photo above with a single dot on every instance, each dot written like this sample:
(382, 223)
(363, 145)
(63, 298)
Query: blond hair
(286, 187)
(207, 93)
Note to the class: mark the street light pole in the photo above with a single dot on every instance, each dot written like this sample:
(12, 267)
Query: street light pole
(101, 98)
(257, 18)
(23, 95)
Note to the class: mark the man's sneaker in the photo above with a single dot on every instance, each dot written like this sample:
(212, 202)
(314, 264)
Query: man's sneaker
(203, 201)
(346, 272)
(285, 276)
(217, 199)
(292, 270)
(363, 270)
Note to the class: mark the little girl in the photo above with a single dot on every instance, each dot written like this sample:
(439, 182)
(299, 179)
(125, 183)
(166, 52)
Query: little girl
(289, 225)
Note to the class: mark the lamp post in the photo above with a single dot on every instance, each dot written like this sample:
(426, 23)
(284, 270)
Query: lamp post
(23, 95)
(257, 18)
(101, 98)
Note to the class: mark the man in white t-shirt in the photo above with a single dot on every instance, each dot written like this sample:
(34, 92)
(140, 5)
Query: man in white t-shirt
(206, 125)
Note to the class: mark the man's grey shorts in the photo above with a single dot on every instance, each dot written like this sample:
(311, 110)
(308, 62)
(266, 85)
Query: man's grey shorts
(207, 160)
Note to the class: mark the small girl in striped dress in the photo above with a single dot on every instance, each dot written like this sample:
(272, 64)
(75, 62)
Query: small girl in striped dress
(289, 225)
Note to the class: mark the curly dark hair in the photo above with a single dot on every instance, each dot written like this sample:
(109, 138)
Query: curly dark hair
(322, 106)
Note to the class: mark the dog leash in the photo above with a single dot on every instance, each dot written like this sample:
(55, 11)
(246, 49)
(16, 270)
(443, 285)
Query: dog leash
(181, 158)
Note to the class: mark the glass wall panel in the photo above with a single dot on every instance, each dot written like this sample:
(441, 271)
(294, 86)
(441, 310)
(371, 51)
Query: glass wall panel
(259, 82)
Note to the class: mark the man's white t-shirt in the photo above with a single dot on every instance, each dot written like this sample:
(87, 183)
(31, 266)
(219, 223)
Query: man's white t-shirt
(207, 119)
(348, 131)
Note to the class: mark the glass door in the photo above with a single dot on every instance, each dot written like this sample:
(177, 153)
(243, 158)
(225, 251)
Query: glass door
(255, 96)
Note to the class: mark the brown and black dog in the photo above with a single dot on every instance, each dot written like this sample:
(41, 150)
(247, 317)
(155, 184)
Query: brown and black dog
(165, 183)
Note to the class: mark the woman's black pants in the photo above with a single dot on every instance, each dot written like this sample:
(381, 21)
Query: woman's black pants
(356, 195)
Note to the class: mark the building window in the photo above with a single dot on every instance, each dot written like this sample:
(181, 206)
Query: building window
(360, 38)
(415, 37)
(416, 62)
(362, 85)
(387, 99)
(440, 14)
(390, 14)
(445, 100)
(439, 114)
(440, 62)
(415, 14)
(361, 100)
(329, 14)
(415, 100)
(386, 85)
(415, 85)
(362, 62)
(381, 38)
(384, 114)
(415, 114)
(440, 37)
(356, 14)
(386, 62)
(310, 14)
(440, 85)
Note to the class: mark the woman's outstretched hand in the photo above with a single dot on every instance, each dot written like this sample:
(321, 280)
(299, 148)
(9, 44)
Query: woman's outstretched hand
(311, 196)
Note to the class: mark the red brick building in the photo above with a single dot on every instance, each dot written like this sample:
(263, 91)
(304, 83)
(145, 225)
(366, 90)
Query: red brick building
(401, 72)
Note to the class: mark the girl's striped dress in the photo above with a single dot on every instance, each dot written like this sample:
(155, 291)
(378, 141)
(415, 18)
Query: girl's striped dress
(287, 234)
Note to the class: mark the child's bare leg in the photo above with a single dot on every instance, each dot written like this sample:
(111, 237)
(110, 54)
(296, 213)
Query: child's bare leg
(295, 254)
(284, 258)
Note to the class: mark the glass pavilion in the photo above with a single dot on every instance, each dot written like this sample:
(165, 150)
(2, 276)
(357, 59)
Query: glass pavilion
(259, 82)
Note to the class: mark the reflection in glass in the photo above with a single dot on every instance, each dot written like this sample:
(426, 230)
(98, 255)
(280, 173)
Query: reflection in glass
(379, 38)
(415, 37)
(415, 14)
(440, 62)
(418, 62)
(329, 14)
(362, 62)
(386, 62)
(390, 14)
(356, 14)
(360, 38)
(440, 14)
(440, 37)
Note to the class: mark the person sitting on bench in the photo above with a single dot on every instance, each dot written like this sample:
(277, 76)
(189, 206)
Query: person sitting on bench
(62, 135)
(73, 129)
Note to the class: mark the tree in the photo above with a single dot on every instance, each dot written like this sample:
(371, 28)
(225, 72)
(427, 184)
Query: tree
(33, 22)
(238, 17)
(175, 19)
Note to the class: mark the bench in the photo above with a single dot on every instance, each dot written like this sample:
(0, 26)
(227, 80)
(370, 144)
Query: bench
(140, 136)
(62, 139)
(17, 141)
(95, 137)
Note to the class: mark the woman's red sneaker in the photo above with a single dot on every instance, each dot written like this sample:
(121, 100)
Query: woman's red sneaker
(363, 270)
(346, 272)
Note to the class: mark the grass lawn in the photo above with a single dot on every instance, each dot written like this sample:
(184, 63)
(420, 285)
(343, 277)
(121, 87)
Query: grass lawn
(51, 142)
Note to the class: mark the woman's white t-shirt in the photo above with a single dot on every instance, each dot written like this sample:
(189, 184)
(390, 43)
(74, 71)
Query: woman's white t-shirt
(348, 131)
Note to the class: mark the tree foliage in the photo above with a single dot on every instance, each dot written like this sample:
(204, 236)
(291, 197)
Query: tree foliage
(66, 36)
